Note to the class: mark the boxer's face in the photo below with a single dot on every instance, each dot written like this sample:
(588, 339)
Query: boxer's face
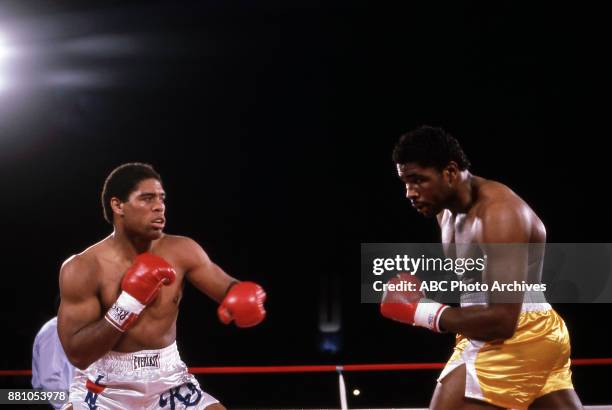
(143, 212)
(427, 189)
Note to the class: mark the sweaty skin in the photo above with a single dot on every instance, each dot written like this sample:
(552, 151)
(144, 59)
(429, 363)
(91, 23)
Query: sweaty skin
(90, 281)
(473, 210)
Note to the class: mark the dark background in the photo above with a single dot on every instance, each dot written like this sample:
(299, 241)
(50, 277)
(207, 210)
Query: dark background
(272, 125)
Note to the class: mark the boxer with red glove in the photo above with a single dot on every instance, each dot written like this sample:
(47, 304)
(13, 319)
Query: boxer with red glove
(140, 285)
(411, 306)
(243, 304)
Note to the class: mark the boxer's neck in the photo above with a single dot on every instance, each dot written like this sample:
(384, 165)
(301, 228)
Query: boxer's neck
(130, 245)
(465, 194)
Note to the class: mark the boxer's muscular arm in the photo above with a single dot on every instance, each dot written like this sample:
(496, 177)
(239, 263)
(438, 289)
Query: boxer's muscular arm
(203, 273)
(501, 224)
(85, 334)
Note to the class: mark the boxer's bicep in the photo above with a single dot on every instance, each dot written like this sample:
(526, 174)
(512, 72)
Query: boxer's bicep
(505, 244)
(79, 304)
(206, 275)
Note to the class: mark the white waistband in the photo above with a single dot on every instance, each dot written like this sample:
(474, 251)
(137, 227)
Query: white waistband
(155, 359)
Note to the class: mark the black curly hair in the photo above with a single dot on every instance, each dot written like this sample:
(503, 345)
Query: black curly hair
(429, 147)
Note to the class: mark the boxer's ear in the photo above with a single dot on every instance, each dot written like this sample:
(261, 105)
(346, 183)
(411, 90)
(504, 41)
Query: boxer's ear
(450, 172)
(117, 206)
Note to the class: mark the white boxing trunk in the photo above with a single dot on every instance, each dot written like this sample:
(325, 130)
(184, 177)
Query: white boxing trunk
(147, 379)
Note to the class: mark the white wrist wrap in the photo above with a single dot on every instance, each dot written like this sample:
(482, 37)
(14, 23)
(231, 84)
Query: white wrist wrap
(428, 314)
(124, 311)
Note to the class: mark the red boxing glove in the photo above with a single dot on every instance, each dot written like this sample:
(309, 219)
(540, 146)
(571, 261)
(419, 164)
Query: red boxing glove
(404, 302)
(243, 304)
(146, 276)
(141, 284)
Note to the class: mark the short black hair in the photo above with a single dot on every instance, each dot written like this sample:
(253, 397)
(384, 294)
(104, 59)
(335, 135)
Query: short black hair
(122, 181)
(430, 147)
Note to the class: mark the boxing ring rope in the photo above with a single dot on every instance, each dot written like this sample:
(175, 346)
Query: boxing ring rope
(327, 367)
(355, 367)
(339, 369)
(365, 367)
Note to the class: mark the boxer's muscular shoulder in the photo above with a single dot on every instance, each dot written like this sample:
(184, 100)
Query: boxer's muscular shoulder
(497, 200)
(503, 202)
(178, 249)
(79, 272)
(491, 191)
(86, 266)
(504, 217)
(174, 244)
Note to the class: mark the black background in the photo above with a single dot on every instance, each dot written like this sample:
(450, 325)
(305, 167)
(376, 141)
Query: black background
(272, 125)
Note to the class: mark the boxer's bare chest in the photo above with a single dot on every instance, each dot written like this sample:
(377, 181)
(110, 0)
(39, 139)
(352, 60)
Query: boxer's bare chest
(461, 234)
(111, 271)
